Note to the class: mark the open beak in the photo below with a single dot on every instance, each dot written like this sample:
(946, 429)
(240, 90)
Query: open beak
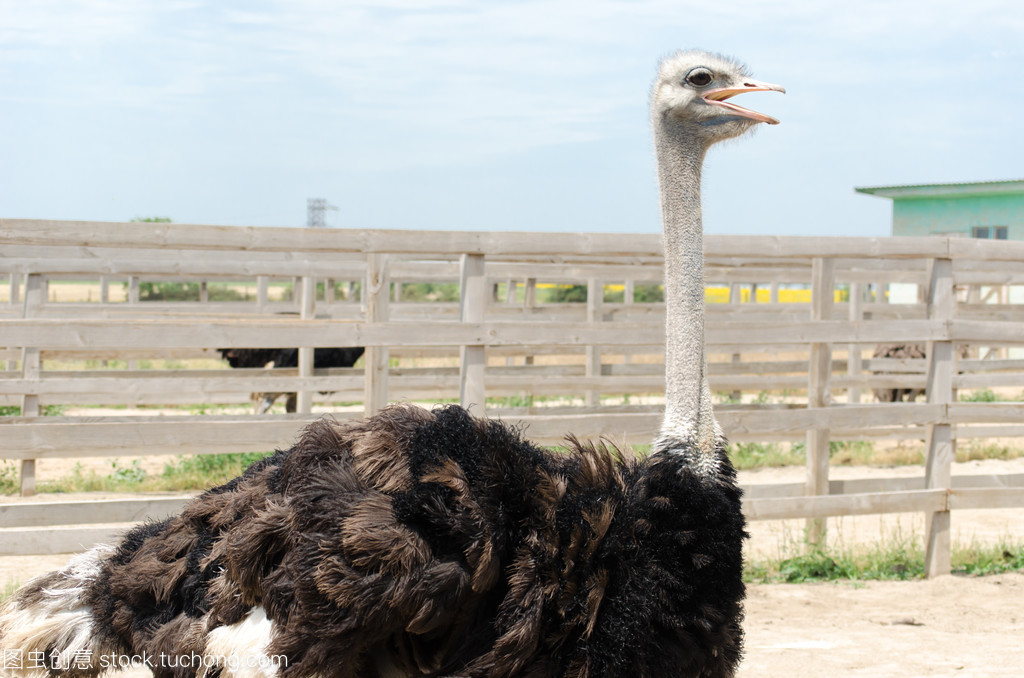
(717, 97)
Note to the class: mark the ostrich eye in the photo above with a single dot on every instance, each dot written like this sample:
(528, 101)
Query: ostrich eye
(699, 77)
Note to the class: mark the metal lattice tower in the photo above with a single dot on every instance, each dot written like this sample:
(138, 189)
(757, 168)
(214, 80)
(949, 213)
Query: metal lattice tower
(316, 211)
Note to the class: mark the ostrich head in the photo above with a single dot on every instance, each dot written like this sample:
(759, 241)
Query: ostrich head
(693, 91)
(690, 111)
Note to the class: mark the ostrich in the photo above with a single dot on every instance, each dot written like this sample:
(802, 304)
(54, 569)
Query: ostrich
(906, 352)
(287, 357)
(434, 543)
(898, 351)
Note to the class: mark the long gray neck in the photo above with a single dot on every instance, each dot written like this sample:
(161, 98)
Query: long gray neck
(689, 427)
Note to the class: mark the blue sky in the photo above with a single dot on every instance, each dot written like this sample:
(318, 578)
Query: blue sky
(503, 115)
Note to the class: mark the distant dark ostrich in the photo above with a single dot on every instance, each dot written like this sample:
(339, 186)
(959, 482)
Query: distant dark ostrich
(905, 352)
(899, 352)
(287, 357)
(418, 543)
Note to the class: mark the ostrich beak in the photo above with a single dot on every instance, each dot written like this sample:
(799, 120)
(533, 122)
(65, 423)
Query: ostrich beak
(717, 97)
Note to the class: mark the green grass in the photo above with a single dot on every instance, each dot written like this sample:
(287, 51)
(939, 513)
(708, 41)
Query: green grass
(8, 589)
(512, 401)
(197, 472)
(978, 449)
(10, 478)
(746, 456)
(45, 410)
(985, 395)
(206, 470)
(895, 558)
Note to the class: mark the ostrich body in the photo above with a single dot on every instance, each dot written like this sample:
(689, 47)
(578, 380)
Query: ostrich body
(418, 543)
(906, 352)
(899, 351)
(287, 357)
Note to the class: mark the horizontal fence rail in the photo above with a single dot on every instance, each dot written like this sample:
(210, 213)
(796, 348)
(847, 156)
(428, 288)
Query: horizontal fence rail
(557, 332)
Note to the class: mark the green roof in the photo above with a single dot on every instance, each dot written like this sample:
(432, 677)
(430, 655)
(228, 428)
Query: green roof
(1014, 186)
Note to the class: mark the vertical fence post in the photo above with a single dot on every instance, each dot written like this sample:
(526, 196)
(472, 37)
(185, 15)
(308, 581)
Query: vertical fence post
(823, 281)
(376, 291)
(510, 299)
(511, 286)
(134, 297)
(14, 297)
(628, 298)
(262, 289)
(939, 462)
(595, 301)
(854, 359)
(736, 298)
(304, 399)
(529, 302)
(133, 289)
(15, 283)
(35, 296)
(472, 306)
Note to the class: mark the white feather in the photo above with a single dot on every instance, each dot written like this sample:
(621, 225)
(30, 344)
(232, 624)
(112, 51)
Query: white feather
(241, 648)
(58, 621)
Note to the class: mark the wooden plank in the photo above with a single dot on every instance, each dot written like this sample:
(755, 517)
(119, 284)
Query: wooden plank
(851, 417)
(985, 413)
(808, 247)
(90, 511)
(203, 383)
(247, 238)
(984, 250)
(54, 437)
(630, 428)
(985, 332)
(845, 505)
(65, 539)
(144, 436)
(276, 332)
(987, 498)
(39, 232)
(872, 485)
(829, 331)
(987, 380)
(961, 432)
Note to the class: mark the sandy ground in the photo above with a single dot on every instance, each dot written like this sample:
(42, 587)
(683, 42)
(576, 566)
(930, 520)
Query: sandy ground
(949, 626)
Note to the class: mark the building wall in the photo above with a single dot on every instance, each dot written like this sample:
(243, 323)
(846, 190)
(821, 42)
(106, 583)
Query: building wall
(928, 216)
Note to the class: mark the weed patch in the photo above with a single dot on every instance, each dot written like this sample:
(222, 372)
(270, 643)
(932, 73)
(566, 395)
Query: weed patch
(897, 558)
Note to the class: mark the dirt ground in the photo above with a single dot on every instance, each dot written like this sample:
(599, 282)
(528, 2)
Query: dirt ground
(949, 626)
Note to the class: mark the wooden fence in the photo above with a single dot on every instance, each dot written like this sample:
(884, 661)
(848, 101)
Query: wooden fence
(502, 341)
